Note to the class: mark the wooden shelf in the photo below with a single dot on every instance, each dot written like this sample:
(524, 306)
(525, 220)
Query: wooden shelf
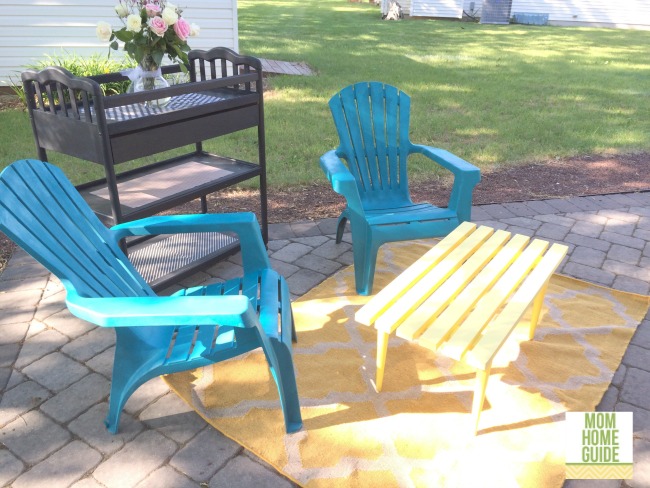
(157, 187)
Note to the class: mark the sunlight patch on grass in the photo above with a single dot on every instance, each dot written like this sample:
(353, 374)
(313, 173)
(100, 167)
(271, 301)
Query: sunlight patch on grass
(441, 58)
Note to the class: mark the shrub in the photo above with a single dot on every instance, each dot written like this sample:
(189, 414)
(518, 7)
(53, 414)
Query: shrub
(95, 64)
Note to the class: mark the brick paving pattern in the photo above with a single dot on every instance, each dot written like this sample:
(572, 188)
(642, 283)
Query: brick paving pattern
(55, 369)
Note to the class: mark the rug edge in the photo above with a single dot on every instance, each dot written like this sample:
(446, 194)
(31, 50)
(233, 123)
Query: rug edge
(238, 442)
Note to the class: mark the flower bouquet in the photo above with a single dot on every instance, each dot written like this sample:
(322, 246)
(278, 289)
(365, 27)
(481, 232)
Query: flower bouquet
(151, 29)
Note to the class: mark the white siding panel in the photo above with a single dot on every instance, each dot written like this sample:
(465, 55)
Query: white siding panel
(29, 29)
(437, 8)
(84, 30)
(620, 13)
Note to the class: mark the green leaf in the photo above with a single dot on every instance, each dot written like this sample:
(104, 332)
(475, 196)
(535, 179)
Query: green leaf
(123, 35)
(157, 57)
(114, 45)
(177, 50)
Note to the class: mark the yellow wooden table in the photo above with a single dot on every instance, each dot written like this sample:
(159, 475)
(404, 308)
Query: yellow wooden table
(464, 297)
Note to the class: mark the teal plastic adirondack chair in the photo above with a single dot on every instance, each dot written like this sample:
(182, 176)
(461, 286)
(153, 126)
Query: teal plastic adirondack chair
(372, 121)
(44, 214)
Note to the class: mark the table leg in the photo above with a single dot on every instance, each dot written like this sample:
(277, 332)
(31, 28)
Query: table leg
(479, 394)
(537, 309)
(382, 349)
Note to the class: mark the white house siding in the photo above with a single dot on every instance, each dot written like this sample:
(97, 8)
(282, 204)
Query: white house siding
(437, 8)
(29, 29)
(406, 6)
(634, 14)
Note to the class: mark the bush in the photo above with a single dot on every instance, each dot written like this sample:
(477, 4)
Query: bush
(83, 66)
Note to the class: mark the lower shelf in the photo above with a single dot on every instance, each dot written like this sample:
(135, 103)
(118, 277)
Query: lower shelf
(160, 186)
(166, 259)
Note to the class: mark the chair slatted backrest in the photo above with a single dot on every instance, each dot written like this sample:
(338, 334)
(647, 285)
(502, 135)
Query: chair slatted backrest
(372, 121)
(43, 213)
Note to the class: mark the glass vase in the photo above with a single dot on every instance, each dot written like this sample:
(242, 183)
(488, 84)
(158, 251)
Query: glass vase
(151, 79)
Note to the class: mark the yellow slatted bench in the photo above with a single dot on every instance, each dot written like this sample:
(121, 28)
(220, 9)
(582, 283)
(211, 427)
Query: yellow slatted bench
(464, 297)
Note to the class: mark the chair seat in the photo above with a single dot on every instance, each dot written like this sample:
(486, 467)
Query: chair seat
(413, 213)
(263, 288)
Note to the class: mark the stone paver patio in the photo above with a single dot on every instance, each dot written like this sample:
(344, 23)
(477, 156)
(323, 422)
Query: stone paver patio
(55, 369)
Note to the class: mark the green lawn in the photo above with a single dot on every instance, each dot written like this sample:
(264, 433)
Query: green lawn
(494, 95)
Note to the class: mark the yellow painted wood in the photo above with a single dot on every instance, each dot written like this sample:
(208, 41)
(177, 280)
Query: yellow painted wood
(448, 321)
(537, 310)
(499, 330)
(385, 298)
(482, 376)
(468, 333)
(382, 349)
(426, 313)
(408, 302)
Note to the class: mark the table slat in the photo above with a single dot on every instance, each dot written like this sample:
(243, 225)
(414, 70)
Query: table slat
(391, 293)
(430, 282)
(440, 299)
(500, 328)
(466, 335)
(449, 320)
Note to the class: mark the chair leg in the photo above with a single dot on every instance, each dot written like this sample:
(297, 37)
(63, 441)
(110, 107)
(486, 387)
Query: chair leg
(294, 336)
(340, 228)
(132, 367)
(123, 385)
(281, 363)
(365, 260)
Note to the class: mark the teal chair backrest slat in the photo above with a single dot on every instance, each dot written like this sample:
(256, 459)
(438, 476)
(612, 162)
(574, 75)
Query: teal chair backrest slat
(43, 212)
(372, 121)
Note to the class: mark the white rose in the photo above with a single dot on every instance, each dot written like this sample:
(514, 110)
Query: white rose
(133, 23)
(104, 31)
(121, 11)
(194, 30)
(172, 6)
(169, 15)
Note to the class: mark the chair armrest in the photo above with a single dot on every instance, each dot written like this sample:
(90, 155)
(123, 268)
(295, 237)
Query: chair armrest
(174, 311)
(466, 177)
(449, 161)
(342, 180)
(244, 224)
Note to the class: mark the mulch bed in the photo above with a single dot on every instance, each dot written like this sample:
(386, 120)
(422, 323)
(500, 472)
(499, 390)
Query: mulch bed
(558, 178)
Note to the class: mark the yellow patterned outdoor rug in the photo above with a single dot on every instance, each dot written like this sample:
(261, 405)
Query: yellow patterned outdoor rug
(417, 431)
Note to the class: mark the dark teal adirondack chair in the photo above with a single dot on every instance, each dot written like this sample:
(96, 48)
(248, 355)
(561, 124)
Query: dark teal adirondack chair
(43, 213)
(372, 121)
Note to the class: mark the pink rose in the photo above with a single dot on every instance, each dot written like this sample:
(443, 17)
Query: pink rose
(152, 9)
(182, 28)
(158, 26)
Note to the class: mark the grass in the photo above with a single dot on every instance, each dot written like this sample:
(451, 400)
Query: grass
(494, 95)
